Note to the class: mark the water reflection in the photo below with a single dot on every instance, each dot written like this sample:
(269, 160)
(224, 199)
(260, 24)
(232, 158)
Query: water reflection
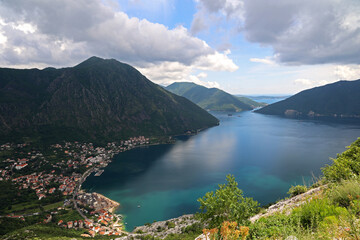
(267, 154)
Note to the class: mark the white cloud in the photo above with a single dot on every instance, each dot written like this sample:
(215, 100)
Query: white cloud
(3, 38)
(307, 83)
(202, 75)
(304, 81)
(167, 73)
(216, 61)
(268, 60)
(298, 31)
(208, 84)
(65, 32)
(213, 12)
(347, 72)
(227, 51)
(25, 27)
(304, 31)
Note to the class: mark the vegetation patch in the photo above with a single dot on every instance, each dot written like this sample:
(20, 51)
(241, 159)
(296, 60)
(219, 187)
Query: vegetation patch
(345, 166)
(227, 204)
(296, 190)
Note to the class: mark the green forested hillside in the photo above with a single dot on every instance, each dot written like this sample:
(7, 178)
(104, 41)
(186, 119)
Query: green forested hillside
(97, 100)
(212, 98)
(336, 100)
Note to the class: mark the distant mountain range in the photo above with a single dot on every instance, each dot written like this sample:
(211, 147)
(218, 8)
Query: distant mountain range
(259, 97)
(98, 100)
(337, 100)
(212, 99)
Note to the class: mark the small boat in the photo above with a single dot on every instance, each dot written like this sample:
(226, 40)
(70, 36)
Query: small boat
(139, 206)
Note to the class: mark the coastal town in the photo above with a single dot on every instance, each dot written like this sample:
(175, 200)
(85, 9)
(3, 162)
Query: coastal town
(56, 175)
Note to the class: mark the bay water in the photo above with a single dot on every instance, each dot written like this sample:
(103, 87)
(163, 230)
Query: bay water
(266, 154)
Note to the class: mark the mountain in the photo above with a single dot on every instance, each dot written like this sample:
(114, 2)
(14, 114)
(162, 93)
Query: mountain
(97, 100)
(251, 102)
(212, 98)
(337, 100)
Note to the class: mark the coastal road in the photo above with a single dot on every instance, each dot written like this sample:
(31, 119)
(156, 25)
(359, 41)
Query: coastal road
(77, 189)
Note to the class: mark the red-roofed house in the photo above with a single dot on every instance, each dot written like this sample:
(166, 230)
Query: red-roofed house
(92, 233)
(51, 190)
(70, 224)
(20, 166)
(41, 196)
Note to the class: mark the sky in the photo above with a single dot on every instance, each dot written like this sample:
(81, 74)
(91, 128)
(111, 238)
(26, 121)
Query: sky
(249, 47)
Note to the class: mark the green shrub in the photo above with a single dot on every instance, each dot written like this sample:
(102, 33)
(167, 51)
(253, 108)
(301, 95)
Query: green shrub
(148, 237)
(194, 228)
(276, 226)
(311, 214)
(182, 236)
(345, 166)
(345, 192)
(170, 224)
(296, 190)
(355, 207)
(227, 204)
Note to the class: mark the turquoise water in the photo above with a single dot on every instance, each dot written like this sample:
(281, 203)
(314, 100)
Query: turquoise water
(267, 154)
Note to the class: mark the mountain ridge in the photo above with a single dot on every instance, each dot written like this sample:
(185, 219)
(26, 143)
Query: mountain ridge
(96, 99)
(335, 100)
(212, 99)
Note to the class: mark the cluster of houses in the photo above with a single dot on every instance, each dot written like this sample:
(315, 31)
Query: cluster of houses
(4, 175)
(136, 141)
(88, 155)
(61, 176)
(103, 223)
(78, 155)
(18, 163)
(40, 182)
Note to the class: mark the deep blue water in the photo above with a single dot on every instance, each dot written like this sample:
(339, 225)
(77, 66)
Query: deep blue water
(267, 154)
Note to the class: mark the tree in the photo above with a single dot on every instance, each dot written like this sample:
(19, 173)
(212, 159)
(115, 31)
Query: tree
(345, 166)
(227, 204)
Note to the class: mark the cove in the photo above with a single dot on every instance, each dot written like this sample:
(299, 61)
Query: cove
(266, 154)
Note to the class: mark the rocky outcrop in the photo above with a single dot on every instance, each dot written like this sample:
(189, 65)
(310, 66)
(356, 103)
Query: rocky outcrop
(288, 204)
(162, 229)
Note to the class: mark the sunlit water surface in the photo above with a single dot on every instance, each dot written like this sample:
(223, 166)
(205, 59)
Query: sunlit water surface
(267, 154)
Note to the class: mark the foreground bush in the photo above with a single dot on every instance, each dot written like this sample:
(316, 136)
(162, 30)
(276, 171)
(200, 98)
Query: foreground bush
(345, 166)
(345, 193)
(317, 219)
(296, 190)
(276, 226)
(227, 204)
(311, 214)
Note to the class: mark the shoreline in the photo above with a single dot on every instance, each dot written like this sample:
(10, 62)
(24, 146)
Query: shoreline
(115, 205)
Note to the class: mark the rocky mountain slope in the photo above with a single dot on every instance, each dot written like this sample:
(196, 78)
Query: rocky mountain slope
(97, 100)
